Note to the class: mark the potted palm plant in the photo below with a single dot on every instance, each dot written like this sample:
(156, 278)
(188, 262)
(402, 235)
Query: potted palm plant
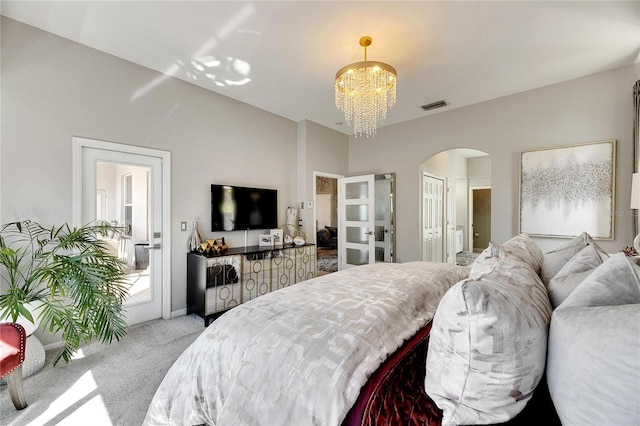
(77, 286)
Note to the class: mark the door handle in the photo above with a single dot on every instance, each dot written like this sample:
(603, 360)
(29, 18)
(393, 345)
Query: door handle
(153, 247)
(369, 233)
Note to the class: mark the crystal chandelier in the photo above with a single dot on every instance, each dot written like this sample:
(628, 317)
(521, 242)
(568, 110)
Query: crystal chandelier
(364, 91)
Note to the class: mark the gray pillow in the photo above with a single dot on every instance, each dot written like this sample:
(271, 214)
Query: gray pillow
(519, 247)
(576, 270)
(488, 341)
(556, 259)
(593, 362)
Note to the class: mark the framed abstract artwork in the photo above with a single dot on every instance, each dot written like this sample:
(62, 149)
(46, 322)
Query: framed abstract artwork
(567, 190)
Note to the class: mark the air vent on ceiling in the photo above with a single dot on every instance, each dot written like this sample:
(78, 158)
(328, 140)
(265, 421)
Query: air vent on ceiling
(434, 105)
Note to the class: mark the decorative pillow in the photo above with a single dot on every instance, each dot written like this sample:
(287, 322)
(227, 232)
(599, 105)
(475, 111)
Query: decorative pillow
(576, 270)
(520, 246)
(556, 259)
(488, 341)
(593, 365)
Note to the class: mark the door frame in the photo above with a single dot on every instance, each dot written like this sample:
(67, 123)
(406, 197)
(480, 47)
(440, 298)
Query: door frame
(78, 143)
(317, 174)
(470, 215)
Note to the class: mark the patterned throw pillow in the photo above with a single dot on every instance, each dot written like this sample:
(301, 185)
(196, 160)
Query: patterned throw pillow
(593, 364)
(488, 342)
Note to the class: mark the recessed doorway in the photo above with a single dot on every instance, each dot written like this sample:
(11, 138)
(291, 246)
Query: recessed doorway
(446, 216)
(326, 222)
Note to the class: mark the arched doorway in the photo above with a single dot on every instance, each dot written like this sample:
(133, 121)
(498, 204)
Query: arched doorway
(451, 184)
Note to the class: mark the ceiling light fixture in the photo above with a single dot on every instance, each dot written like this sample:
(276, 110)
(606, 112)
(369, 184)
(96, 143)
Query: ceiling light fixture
(364, 91)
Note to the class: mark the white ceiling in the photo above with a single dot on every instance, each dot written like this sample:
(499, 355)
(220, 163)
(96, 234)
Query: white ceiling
(282, 56)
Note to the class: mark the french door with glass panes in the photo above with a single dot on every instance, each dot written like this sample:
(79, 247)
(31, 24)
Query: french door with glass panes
(356, 217)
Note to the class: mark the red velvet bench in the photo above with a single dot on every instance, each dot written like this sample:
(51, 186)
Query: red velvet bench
(12, 350)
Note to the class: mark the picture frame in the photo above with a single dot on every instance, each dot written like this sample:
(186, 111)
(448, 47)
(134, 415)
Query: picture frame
(277, 237)
(567, 190)
(265, 240)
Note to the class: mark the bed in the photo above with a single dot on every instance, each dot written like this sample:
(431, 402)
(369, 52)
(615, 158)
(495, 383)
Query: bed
(302, 355)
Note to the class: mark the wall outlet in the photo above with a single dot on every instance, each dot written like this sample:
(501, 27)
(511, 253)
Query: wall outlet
(183, 226)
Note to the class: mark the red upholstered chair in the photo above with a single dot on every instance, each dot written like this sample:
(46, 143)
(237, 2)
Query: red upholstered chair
(12, 344)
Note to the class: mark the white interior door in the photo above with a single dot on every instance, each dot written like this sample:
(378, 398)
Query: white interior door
(450, 237)
(130, 188)
(356, 219)
(432, 218)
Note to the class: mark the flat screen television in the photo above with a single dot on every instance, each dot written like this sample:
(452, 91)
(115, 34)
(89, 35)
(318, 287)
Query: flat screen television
(235, 208)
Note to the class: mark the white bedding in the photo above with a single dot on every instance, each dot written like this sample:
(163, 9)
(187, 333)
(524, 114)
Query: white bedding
(299, 356)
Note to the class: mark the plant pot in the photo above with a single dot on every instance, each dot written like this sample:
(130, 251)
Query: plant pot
(29, 327)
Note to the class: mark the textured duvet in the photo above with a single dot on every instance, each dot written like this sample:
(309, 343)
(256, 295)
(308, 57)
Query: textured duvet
(299, 356)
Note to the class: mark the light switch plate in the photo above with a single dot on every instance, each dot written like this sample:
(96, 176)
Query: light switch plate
(183, 226)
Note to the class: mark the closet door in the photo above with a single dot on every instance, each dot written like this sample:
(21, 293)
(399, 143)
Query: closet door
(432, 219)
(450, 240)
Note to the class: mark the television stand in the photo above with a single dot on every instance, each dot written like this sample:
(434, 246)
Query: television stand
(218, 283)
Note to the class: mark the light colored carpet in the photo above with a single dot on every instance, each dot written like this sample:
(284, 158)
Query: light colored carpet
(109, 385)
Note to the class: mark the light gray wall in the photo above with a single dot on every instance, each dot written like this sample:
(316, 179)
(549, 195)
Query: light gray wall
(325, 150)
(593, 108)
(53, 89)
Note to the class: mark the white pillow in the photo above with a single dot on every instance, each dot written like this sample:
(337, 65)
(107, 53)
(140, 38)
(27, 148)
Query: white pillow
(556, 259)
(520, 247)
(593, 364)
(488, 341)
(576, 270)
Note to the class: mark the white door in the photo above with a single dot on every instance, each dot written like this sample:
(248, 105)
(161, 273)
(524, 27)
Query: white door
(450, 236)
(432, 218)
(130, 195)
(356, 219)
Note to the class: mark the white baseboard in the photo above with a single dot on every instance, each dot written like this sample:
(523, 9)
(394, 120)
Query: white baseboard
(178, 313)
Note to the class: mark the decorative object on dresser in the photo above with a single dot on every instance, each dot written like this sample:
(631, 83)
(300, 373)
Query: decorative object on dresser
(265, 240)
(212, 247)
(194, 239)
(567, 190)
(276, 237)
(220, 282)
